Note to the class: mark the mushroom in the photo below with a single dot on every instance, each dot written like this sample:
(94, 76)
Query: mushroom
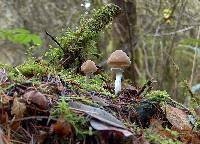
(88, 68)
(118, 60)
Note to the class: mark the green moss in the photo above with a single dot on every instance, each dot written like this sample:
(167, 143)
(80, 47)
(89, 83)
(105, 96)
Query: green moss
(54, 54)
(12, 73)
(80, 44)
(162, 97)
(6, 66)
(197, 125)
(95, 84)
(78, 122)
(33, 68)
(155, 137)
(158, 96)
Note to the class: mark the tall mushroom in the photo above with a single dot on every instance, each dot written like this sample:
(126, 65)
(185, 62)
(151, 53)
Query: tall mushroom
(88, 68)
(118, 60)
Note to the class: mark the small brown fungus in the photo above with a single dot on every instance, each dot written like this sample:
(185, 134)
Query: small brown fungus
(88, 68)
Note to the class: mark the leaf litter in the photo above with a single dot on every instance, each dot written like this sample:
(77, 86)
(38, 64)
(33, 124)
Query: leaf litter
(27, 115)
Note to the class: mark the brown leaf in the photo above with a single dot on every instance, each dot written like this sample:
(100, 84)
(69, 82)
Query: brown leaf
(41, 137)
(156, 126)
(62, 128)
(178, 118)
(18, 108)
(98, 125)
(196, 138)
(4, 99)
(189, 137)
(3, 117)
(15, 125)
(36, 98)
(100, 101)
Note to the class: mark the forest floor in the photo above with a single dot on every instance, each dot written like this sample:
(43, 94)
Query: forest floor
(42, 105)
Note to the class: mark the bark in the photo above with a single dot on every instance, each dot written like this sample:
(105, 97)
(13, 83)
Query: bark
(124, 34)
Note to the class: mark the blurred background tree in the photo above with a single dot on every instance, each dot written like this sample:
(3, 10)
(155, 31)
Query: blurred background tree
(160, 36)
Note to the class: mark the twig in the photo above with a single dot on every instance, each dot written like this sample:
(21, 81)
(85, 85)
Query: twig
(171, 48)
(179, 104)
(146, 61)
(194, 59)
(173, 33)
(33, 117)
(54, 40)
(148, 84)
(153, 52)
(17, 142)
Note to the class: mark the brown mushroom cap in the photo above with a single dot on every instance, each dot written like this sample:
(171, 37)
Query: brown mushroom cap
(118, 59)
(88, 67)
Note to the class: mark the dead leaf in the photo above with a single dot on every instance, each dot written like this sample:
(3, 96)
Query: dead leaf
(156, 126)
(178, 118)
(196, 138)
(98, 125)
(37, 98)
(62, 128)
(15, 125)
(97, 113)
(41, 137)
(100, 101)
(18, 108)
(4, 99)
(3, 117)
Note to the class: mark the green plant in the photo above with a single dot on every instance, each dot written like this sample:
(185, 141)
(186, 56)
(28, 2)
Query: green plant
(21, 36)
(78, 122)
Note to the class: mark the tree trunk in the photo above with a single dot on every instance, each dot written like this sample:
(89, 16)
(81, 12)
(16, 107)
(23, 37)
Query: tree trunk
(124, 34)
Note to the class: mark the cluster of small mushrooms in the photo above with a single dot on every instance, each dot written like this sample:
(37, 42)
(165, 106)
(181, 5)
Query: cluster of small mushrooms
(118, 60)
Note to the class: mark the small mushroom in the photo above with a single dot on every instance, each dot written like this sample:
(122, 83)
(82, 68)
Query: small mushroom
(88, 68)
(118, 60)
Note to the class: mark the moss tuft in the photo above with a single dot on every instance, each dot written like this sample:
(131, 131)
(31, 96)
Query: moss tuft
(80, 44)
(33, 67)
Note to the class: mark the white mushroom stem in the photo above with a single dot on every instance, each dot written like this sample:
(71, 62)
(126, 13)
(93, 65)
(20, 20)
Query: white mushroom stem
(118, 72)
(88, 76)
